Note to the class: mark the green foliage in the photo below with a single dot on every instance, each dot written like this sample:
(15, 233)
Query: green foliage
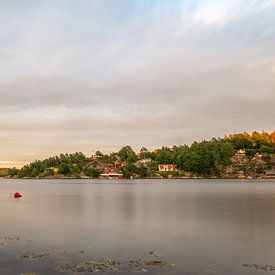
(127, 154)
(153, 165)
(146, 154)
(67, 164)
(241, 143)
(165, 156)
(205, 158)
(143, 171)
(126, 173)
(266, 149)
(98, 153)
(64, 169)
(250, 152)
(260, 170)
(92, 172)
(243, 168)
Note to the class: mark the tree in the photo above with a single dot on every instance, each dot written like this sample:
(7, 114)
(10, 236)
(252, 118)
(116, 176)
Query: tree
(266, 149)
(127, 154)
(64, 169)
(165, 156)
(92, 172)
(143, 171)
(144, 153)
(98, 153)
(126, 173)
(250, 152)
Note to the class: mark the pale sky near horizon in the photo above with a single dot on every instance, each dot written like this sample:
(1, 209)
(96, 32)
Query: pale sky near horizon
(87, 75)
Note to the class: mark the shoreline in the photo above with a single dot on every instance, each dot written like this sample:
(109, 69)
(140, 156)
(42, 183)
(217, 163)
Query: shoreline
(147, 178)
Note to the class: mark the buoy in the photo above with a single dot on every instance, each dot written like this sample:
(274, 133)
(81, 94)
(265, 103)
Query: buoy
(17, 195)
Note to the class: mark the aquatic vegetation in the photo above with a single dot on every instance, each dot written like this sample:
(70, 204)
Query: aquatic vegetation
(33, 255)
(155, 263)
(112, 265)
(260, 267)
(15, 238)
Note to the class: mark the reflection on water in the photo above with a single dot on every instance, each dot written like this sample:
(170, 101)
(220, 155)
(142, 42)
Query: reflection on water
(203, 227)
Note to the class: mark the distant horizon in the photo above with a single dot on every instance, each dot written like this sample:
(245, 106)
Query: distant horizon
(79, 75)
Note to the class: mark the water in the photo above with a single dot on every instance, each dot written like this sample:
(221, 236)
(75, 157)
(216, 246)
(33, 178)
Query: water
(200, 226)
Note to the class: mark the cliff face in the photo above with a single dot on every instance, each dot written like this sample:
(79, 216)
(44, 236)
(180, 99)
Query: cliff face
(243, 165)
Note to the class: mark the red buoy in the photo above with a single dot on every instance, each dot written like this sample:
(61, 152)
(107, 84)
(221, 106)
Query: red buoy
(17, 195)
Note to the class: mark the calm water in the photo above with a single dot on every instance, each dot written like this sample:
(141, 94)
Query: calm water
(203, 227)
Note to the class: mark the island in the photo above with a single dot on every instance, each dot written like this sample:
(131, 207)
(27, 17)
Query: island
(240, 156)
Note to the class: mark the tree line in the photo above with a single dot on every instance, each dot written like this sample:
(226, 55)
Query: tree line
(205, 158)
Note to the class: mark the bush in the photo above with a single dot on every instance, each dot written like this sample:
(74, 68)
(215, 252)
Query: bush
(92, 172)
(250, 152)
(266, 149)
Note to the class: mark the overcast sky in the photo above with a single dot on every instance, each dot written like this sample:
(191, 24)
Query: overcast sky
(87, 75)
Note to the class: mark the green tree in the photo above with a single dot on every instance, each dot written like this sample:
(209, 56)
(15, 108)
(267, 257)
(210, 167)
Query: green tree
(250, 152)
(266, 149)
(127, 154)
(165, 156)
(126, 173)
(92, 172)
(64, 169)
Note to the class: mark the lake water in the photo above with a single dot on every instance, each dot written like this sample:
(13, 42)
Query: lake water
(198, 226)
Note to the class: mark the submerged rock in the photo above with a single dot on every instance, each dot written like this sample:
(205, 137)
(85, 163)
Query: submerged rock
(154, 253)
(155, 263)
(260, 267)
(102, 265)
(33, 255)
(13, 238)
(111, 265)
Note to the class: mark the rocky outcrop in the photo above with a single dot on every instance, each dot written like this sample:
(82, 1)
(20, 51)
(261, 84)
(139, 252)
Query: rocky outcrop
(243, 165)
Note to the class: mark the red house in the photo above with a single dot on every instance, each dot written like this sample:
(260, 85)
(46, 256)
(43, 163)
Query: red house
(111, 173)
(119, 164)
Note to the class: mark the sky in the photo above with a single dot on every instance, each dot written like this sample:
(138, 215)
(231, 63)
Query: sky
(101, 74)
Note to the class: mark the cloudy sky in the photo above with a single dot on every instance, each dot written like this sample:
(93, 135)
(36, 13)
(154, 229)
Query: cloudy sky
(86, 75)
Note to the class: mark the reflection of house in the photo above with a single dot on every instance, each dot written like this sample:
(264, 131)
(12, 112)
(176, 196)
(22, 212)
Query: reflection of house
(167, 167)
(111, 173)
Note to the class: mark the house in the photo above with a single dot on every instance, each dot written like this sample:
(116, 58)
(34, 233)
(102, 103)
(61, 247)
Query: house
(167, 167)
(54, 170)
(111, 173)
(241, 151)
(270, 173)
(119, 164)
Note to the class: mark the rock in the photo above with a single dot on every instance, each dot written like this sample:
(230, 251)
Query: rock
(32, 255)
(154, 253)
